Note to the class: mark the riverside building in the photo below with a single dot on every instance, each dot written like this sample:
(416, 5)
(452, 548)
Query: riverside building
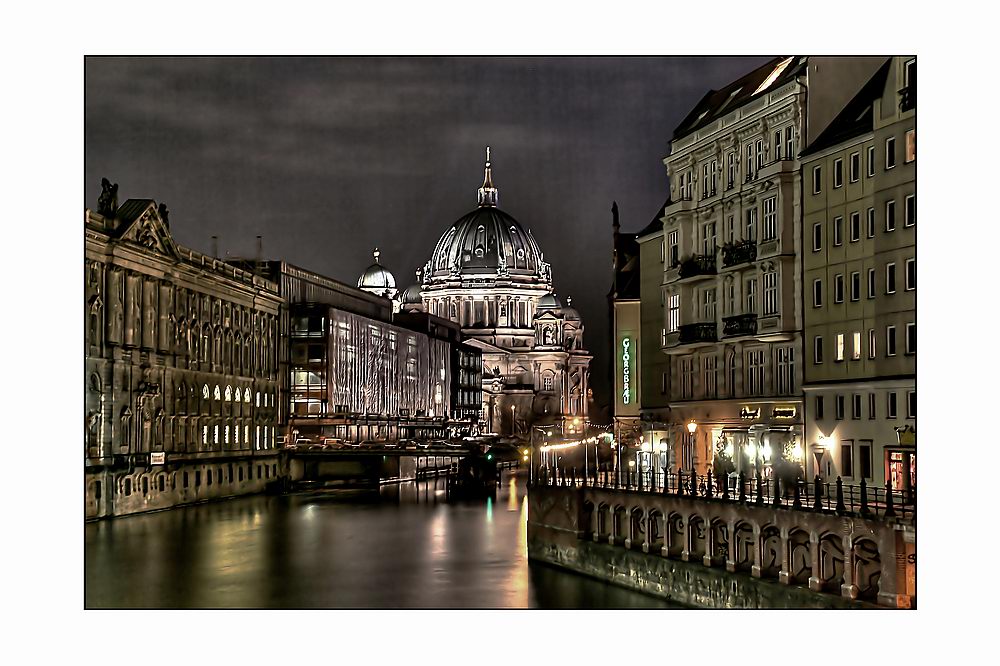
(860, 281)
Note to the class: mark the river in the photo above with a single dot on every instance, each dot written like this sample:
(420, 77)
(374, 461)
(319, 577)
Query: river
(406, 548)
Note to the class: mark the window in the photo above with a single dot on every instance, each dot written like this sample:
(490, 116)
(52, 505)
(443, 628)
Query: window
(838, 231)
(759, 145)
(911, 274)
(871, 161)
(819, 407)
(856, 406)
(911, 146)
(855, 227)
(789, 151)
(785, 370)
(911, 338)
(750, 231)
(674, 248)
(770, 218)
(704, 181)
(910, 212)
(871, 223)
(817, 180)
(890, 340)
(673, 312)
(817, 293)
(890, 215)
(871, 283)
(714, 174)
(890, 278)
(776, 143)
(855, 286)
(708, 305)
(755, 372)
(708, 238)
(687, 377)
(871, 342)
(847, 458)
(838, 288)
(840, 346)
(911, 404)
(818, 350)
(856, 346)
(840, 408)
(891, 405)
(871, 406)
(770, 280)
(730, 229)
(663, 254)
(663, 383)
(890, 153)
(855, 167)
(730, 295)
(865, 458)
(548, 382)
(731, 170)
(711, 385)
(817, 237)
(751, 296)
(838, 173)
(748, 175)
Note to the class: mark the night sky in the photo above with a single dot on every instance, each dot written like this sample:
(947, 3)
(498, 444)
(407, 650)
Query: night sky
(327, 158)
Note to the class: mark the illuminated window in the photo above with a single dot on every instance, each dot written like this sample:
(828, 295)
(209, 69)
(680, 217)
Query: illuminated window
(246, 395)
(229, 394)
(840, 346)
(856, 351)
(216, 438)
(246, 434)
(205, 392)
(911, 146)
(225, 433)
(217, 393)
(773, 76)
(204, 434)
(258, 398)
(871, 342)
(548, 383)
(236, 434)
(674, 312)
(257, 438)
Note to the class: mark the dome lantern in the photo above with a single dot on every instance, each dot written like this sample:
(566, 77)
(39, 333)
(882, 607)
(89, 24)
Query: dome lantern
(488, 194)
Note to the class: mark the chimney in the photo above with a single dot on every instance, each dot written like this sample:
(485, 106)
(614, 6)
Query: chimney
(260, 249)
(215, 247)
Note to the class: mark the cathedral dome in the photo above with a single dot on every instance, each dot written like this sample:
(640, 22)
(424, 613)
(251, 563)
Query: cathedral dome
(569, 312)
(487, 242)
(411, 295)
(549, 302)
(377, 278)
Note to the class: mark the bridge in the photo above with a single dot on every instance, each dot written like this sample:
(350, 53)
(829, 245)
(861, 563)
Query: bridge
(755, 545)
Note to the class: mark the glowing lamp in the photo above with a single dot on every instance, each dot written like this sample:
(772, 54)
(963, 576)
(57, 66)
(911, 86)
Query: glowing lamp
(631, 463)
(692, 426)
(766, 451)
(797, 451)
(751, 450)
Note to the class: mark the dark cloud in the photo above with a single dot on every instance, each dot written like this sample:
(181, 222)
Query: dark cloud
(329, 157)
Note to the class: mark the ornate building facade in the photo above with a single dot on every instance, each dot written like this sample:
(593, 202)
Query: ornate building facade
(180, 367)
(488, 274)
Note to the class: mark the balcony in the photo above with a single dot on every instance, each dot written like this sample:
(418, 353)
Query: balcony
(699, 264)
(692, 333)
(908, 98)
(739, 253)
(738, 325)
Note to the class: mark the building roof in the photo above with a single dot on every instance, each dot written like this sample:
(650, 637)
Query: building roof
(717, 103)
(656, 224)
(377, 277)
(856, 118)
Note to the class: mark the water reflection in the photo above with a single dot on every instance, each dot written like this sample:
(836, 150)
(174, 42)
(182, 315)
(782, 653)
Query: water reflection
(404, 548)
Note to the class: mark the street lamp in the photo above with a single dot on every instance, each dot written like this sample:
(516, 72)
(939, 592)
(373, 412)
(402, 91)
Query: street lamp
(689, 454)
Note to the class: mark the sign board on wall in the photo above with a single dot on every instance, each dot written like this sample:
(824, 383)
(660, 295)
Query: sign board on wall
(157, 458)
(627, 356)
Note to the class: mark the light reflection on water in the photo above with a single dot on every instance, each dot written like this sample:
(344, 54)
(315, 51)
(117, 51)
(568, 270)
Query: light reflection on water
(408, 548)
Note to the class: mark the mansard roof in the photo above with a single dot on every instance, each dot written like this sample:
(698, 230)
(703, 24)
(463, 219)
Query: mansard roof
(856, 118)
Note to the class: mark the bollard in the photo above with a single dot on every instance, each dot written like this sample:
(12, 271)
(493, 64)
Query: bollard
(743, 488)
(817, 500)
(760, 489)
(864, 498)
(889, 511)
(840, 496)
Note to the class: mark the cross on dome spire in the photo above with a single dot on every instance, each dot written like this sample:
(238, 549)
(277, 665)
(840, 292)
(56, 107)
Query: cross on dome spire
(488, 194)
(376, 254)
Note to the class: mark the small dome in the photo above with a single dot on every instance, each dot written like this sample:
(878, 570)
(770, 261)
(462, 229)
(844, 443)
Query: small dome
(569, 312)
(549, 302)
(377, 277)
(411, 296)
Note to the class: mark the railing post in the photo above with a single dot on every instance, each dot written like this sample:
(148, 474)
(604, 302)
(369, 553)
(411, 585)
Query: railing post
(776, 500)
(709, 494)
(817, 501)
(694, 482)
(889, 511)
(797, 496)
(840, 496)
(680, 482)
(743, 488)
(760, 489)
(864, 498)
(666, 482)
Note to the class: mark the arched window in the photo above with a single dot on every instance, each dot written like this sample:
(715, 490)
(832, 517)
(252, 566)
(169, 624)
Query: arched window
(229, 394)
(218, 393)
(258, 398)
(204, 392)
(246, 395)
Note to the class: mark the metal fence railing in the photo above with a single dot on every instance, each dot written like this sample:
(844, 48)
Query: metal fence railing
(817, 495)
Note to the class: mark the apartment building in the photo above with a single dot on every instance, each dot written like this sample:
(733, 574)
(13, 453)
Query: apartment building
(859, 284)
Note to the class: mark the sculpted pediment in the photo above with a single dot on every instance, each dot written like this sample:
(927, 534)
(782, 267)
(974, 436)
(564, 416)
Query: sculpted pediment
(144, 223)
